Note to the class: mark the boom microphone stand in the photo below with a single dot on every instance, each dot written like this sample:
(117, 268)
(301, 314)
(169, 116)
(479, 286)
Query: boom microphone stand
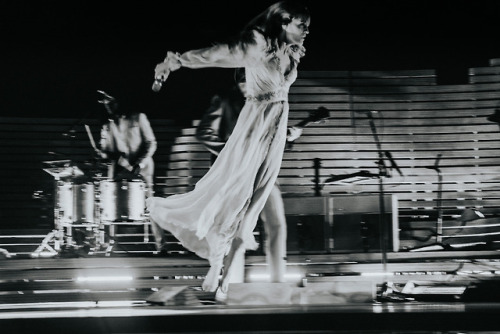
(382, 172)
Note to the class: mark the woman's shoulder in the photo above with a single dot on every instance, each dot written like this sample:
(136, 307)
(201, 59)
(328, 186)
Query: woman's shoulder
(255, 39)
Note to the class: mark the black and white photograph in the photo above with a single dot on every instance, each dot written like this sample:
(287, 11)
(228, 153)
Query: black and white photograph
(266, 166)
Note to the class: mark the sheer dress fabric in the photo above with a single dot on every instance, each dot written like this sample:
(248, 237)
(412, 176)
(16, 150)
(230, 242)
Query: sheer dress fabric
(226, 202)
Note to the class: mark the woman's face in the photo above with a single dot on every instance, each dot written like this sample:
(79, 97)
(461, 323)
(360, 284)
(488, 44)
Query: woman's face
(296, 31)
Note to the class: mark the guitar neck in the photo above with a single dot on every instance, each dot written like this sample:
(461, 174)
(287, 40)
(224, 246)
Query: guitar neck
(313, 117)
(303, 123)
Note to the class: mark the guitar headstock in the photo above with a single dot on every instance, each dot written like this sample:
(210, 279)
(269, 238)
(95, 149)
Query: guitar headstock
(319, 114)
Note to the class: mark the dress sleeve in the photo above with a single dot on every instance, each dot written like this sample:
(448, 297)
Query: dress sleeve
(222, 55)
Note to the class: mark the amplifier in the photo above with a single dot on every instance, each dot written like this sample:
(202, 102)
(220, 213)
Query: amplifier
(348, 223)
(307, 228)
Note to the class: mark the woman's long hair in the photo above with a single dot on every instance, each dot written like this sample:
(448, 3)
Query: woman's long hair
(269, 22)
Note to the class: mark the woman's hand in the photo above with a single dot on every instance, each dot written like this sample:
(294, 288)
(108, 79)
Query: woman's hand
(173, 60)
(171, 63)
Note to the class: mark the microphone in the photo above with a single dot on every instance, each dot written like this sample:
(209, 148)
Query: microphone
(172, 62)
(157, 85)
(159, 80)
(103, 93)
(106, 98)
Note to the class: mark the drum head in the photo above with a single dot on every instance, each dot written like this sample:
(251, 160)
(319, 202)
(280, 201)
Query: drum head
(75, 203)
(122, 200)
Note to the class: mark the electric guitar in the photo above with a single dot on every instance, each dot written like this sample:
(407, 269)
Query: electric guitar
(317, 115)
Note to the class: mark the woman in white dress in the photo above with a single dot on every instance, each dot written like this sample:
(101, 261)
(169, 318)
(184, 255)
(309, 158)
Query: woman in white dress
(217, 218)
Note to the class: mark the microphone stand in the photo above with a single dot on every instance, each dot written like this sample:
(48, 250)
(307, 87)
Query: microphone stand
(438, 233)
(71, 131)
(439, 222)
(382, 172)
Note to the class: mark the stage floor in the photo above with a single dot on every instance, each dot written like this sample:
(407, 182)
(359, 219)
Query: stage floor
(411, 293)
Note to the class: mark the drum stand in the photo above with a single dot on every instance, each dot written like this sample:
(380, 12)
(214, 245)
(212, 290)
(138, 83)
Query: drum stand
(96, 225)
(122, 203)
(112, 244)
(61, 238)
(51, 244)
(45, 249)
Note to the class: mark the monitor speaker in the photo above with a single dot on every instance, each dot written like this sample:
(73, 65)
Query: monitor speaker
(351, 223)
(358, 224)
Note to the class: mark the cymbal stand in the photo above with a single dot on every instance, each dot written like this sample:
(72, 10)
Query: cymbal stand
(56, 236)
(438, 233)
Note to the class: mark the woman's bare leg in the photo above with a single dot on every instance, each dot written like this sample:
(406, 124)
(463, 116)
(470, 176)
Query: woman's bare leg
(211, 281)
(274, 219)
(233, 263)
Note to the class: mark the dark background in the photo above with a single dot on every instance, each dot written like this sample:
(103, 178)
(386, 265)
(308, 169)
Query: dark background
(56, 54)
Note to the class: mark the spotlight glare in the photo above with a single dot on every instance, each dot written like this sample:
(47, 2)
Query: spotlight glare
(104, 279)
(259, 276)
(372, 274)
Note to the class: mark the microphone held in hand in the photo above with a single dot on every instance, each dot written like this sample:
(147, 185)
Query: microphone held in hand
(162, 71)
(158, 83)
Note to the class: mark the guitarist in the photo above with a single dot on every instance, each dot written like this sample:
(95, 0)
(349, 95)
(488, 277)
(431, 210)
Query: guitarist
(219, 119)
(215, 127)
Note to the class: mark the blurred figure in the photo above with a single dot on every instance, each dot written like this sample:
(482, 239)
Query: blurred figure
(128, 141)
(218, 121)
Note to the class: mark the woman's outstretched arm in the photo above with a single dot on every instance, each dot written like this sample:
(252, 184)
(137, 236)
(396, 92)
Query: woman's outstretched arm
(219, 55)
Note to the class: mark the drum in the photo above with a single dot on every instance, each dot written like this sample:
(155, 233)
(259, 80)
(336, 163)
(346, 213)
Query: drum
(75, 203)
(122, 200)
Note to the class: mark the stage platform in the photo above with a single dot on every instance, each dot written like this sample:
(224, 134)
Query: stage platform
(431, 292)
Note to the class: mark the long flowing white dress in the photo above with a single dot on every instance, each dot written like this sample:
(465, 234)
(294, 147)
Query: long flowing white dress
(227, 201)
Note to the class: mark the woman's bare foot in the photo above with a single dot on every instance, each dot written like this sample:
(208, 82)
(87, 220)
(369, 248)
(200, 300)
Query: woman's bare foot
(220, 296)
(211, 281)
(228, 263)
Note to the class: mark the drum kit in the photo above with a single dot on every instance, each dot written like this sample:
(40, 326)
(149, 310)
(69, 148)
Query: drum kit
(88, 206)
